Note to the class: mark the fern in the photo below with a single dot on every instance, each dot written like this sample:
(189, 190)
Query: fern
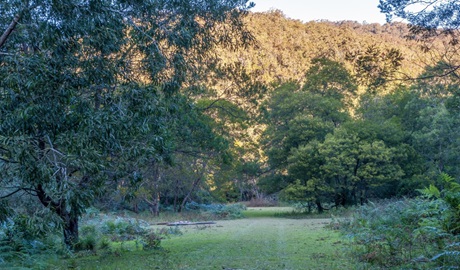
(454, 254)
(430, 192)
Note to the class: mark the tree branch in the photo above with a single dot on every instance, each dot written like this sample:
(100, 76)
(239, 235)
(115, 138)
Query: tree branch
(11, 194)
(10, 29)
(46, 200)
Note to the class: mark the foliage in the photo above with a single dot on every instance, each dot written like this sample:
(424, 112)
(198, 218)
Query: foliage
(450, 195)
(402, 234)
(374, 66)
(151, 240)
(23, 243)
(431, 15)
(219, 211)
(431, 22)
(84, 91)
(88, 239)
(106, 232)
(297, 115)
(323, 154)
(297, 43)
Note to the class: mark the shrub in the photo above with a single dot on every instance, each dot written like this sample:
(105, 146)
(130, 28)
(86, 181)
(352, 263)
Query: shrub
(151, 240)
(88, 242)
(104, 243)
(122, 227)
(261, 202)
(26, 244)
(450, 195)
(219, 211)
(402, 234)
(88, 239)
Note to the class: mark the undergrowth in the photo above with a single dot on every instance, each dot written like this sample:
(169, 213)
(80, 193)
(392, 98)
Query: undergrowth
(218, 211)
(25, 244)
(403, 234)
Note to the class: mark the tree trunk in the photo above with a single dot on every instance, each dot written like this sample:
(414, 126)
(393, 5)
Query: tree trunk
(184, 201)
(344, 197)
(70, 229)
(175, 201)
(70, 219)
(194, 185)
(156, 205)
(319, 206)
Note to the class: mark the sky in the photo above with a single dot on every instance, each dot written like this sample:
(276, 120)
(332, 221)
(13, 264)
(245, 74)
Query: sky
(332, 10)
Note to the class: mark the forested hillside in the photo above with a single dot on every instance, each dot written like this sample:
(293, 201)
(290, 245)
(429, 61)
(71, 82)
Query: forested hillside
(285, 47)
(339, 116)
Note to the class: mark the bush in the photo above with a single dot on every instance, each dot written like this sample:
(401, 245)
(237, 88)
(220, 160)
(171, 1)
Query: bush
(219, 211)
(450, 195)
(151, 240)
(122, 227)
(88, 242)
(88, 239)
(401, 234)
(25, 243)
(261, 202)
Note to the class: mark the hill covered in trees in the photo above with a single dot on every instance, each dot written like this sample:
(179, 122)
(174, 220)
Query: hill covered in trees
(344, 118)
(284, 48)
(337, 115)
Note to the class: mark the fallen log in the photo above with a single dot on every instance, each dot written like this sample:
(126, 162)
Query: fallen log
(185, 223)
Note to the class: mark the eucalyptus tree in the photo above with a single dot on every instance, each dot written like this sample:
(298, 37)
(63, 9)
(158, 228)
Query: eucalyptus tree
(83, 87)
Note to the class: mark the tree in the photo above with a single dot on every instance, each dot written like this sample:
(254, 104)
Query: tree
(374, 66)
(393, 119)
(83, 86)
(357, 166)
(300, 118)
(305, 165)
(348, 167)
(296, 115)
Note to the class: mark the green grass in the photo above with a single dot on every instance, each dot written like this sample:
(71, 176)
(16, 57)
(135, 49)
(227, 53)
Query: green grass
(259, 242)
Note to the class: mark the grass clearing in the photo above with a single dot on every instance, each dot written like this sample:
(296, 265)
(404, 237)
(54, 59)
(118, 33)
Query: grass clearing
(260, 241)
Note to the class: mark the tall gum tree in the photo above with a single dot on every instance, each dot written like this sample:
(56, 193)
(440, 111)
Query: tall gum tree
(81, 90)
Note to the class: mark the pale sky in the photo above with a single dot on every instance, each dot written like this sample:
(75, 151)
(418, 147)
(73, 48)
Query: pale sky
(332, 10)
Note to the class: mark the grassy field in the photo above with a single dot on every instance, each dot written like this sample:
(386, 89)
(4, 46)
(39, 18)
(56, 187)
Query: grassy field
(260, 241)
